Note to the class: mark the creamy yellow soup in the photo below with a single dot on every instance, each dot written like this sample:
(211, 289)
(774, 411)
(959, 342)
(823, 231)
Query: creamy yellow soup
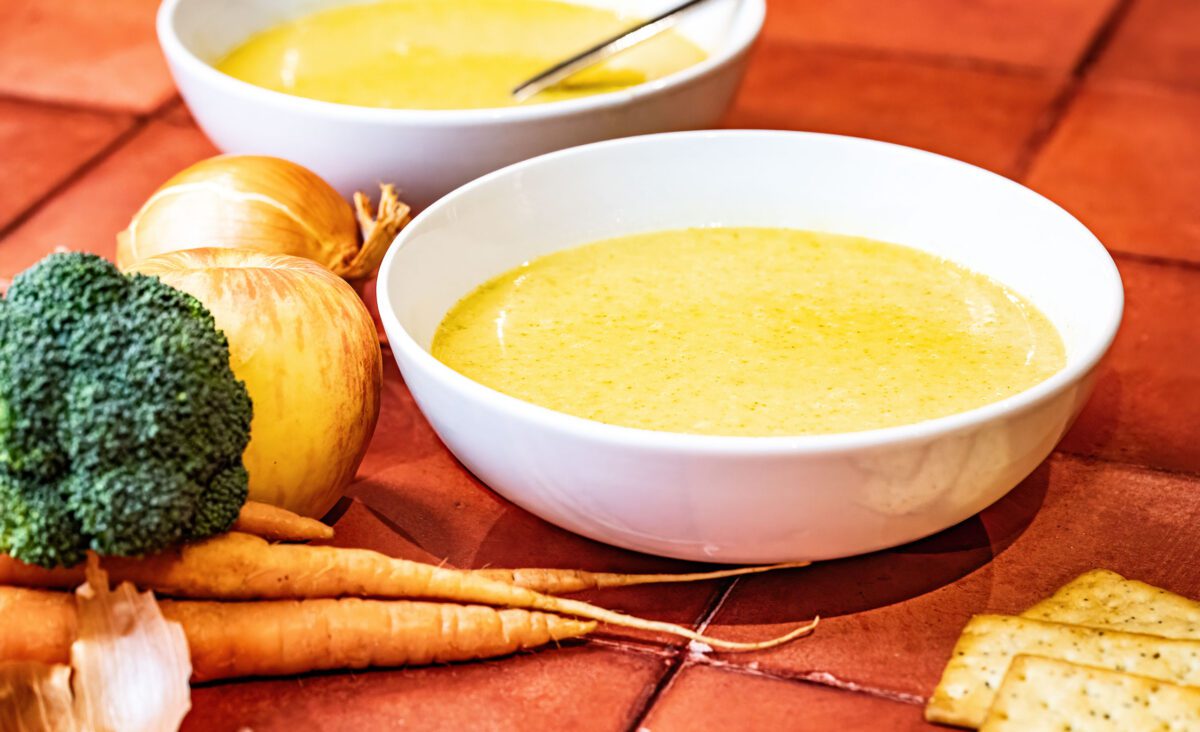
(749, 331)
(447, 54)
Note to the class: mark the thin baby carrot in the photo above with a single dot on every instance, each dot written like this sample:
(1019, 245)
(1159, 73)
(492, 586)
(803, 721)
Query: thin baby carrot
(279, 524)
(241, 567)
(284, 637)
(259, 519)
(546, 581)
(563, 581)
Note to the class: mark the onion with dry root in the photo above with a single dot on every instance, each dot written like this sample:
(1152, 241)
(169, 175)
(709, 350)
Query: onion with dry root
(267, 204)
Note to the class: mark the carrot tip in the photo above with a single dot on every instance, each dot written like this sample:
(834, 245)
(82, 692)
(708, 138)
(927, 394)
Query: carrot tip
(801, 631)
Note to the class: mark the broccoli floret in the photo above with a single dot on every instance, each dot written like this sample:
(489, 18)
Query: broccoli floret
(122, 425)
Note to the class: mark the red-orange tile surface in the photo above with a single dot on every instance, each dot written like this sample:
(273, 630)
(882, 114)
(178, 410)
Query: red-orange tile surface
(1104, 121)
(100, 53)
(704, 698)
(1145, 405)
(891, 618)
(571, 688)
(1038, 33)
(1126, 160)
(1158, 41)
(89, 213)
(43, 145)
(984, 117)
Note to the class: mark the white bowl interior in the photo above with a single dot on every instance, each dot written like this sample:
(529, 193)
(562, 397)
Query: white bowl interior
(741, 178)
(211, 29)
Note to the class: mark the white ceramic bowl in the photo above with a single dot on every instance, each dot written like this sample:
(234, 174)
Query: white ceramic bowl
(749, 499)
(427, 153)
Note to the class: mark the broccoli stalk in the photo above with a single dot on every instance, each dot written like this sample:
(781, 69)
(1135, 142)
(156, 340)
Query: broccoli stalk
(122, 425)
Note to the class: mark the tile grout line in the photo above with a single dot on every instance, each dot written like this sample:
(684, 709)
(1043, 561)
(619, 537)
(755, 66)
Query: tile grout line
(1144, 85)
(971, 63)
(89, 164)
(1155, 260)
(79, 107)
(1047, 125)
(1056, 112)
(677, 662)
(822, 679)
(1103, 38)
(940, 60)
(175, 102)
(1169, 472)
(1178, 88)
(644, 648)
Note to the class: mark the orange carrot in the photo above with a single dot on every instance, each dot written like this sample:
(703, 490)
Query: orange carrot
(150, 572)
(242, 567)
(279, 524)
(283, 637)
(36, 625)
(17, 573)
(563, 581)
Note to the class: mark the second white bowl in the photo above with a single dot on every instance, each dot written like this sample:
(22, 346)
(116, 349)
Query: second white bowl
(427, 153)
(749, 499)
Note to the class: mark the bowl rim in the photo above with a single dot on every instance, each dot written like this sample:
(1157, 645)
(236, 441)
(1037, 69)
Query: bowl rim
(406, 349)
(177, 52)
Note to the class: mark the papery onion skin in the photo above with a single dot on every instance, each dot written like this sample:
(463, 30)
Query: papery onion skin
(306, 347)
(132, 665)
(36, 697)
(245, 201)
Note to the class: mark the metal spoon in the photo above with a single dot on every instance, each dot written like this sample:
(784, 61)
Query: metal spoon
(601, 51)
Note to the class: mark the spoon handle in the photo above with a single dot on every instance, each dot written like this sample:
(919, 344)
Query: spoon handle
(601, 51)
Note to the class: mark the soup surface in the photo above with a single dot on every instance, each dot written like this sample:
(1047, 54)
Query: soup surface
(749, 331)
(447, 54)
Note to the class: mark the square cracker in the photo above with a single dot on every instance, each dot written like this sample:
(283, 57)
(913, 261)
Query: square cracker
(1042, 694)
(1104, 599)
(990, 642)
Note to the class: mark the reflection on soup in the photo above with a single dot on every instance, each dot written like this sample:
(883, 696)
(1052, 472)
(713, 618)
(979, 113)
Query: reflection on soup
(447, 54)
(749, 331)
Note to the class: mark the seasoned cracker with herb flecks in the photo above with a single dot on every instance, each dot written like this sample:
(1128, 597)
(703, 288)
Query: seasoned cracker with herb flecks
(1043, 694)
(989, 643)
(1104, 599)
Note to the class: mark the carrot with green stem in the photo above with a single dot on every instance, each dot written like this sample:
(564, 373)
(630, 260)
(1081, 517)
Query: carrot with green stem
(285, 637)
(243, 567)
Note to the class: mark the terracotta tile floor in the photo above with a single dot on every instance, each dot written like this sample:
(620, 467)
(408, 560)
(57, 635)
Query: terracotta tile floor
(1050, 34)
(1126, 161)
(98, 54)
(1096, 103)
(1157, 42)
(983, 116)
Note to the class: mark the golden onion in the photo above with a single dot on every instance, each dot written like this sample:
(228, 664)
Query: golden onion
(266, 204)
(306, 347)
